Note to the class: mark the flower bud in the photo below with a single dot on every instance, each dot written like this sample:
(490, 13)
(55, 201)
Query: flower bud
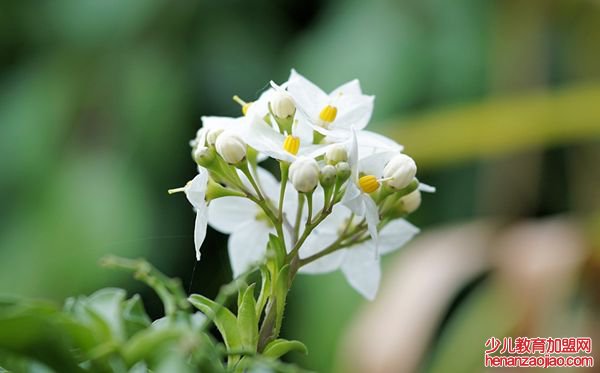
(230, 147)
(328, 174)
(335, 154)
(400, 171)
(343, 171)
(213, 134)
(411, 201)
(304, 174)
(282, 104)
(203, 156)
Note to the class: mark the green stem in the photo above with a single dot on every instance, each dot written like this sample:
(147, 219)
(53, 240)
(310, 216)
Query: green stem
(284, 167)
(298, 217)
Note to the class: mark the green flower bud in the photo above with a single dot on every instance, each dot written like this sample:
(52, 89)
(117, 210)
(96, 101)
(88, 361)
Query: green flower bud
(204, 156)
(343, 171)
(328, 175)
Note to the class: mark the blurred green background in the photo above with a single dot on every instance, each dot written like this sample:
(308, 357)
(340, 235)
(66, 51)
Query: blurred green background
(498, 101)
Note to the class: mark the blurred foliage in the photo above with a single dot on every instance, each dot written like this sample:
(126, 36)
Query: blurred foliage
(496, 100)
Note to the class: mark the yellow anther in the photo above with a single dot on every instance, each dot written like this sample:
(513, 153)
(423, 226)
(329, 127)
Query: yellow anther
(368, 183)
(245, 105)
(291, 144)
(328, 114)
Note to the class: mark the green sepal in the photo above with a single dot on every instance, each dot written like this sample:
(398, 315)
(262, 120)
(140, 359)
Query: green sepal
(215, 190)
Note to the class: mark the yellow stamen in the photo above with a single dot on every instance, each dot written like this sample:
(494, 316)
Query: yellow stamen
(368, 183)
(291, 144)
(245, 105)
(328, 114)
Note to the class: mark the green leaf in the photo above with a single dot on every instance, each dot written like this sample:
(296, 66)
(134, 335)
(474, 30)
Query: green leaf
(247, 320)
(134, 315)
(265, 286)
(280, 347)
(148, 343)
(36, 332)
(223, 318)
(276, 250)
(281, 291)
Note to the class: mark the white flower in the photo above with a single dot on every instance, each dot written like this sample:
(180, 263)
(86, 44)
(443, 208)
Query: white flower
(195, 191)
(304, 174)
(262, 137)
(248, 226)
(358, 264)
(231, 147)
(333, 114)
(356, 196)
(400, 170)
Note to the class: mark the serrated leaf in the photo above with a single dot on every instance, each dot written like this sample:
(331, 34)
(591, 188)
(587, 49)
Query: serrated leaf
(224, 319)
(280, 347)
(247, 320)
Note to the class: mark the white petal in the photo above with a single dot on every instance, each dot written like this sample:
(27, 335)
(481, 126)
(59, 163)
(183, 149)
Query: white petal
(349, 88)
(247, 247)
(354, 111)
(265, 139)
(353, 156)
(195, 190)
(226, 214)
(372, 216)
(326, 264)
(260, 107)
(352, 200)
(362, 270)
(426, 188)
(374, 164)
(395, 234)
(199, 231)
(371, 142)
(335, 222)
(308, 97)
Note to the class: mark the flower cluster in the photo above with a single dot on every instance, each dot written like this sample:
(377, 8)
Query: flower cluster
(341, 194)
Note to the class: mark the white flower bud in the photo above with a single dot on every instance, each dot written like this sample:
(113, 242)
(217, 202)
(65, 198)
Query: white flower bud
(411, 201)
(304, 174)
(231, 147)
(400, 171)
(213, 134)
(282, 104)
(335, 154)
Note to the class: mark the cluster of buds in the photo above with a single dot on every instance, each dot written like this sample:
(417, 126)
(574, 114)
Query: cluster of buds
(334, 176)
